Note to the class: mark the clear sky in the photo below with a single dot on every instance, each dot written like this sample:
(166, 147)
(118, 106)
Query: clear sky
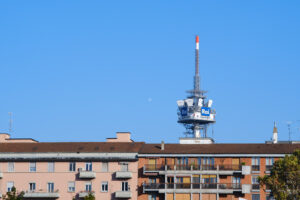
(83, 70)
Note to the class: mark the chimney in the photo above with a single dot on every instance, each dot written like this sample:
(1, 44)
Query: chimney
(275, 134)
(162, 147)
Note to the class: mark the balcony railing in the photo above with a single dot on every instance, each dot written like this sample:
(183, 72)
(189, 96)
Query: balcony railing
(222, 186)
(255, 186)
(192, 167)
(269, 167)
(255, 168)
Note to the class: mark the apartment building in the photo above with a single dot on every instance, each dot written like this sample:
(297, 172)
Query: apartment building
(207, 171)
(67, 170)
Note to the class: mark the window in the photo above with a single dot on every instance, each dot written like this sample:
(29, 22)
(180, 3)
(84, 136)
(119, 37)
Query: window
(124, 167)
(50, 187)
(255, 197)
(88, 166)
(269, 163)
(31, 187)
(208, 161)
(104, 167)
(88, 186)
(71, 186)
(255, 183)
(255, 164)
(152, 180)
(32, 166)
(152, 197)
(236, 182)
(50, 166)
(11, 167)
(269, 197)
(9, 186)
(72, 166)
(104, 186)
(125, 186)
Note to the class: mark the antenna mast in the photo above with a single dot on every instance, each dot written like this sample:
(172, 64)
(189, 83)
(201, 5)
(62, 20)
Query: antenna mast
(10, 122)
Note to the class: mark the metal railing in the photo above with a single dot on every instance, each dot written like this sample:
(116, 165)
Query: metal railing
(191, 167)
(255, 168)
(223, 186)
(269, 167)
(255, 186)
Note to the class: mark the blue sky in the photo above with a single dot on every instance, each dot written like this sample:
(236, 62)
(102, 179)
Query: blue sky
(83, 70)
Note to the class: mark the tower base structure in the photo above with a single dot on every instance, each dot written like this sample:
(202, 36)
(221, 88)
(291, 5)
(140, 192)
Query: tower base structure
(194, 140)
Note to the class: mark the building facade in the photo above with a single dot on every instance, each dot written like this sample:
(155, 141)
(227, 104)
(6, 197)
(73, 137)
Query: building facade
(123, 169)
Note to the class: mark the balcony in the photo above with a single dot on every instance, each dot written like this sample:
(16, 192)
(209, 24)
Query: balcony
(225, 188)
(123, 194)
(1, 175)
(255, 186)
(268, 168)
(87, 174)
(123, 175)
(83, 194)
(200, 169)
(41, 194)
(255, 168)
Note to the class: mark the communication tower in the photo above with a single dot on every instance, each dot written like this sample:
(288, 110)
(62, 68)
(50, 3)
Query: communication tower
(196, 112)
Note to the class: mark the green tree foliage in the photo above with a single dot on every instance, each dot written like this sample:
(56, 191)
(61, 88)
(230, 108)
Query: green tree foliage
(90, 196)
(13, 195)
(284, 180)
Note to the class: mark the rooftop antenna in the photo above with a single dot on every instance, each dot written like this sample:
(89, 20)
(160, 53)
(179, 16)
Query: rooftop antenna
(10, 123)
(289, 123)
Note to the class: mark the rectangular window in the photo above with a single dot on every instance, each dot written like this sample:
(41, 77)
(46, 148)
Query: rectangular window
(50, 187)
(236, 182)
(71, 186)
(50, 166)
(255, 164)
(125, 186)
(11, 167)
(32, 166)
(88, 166)
(9, 186)
(269, 161)
(88, 186)
(255, 183)
(72, 166)
(152, 197)
(104, 167)
(153, 180)
(104, 186)
(31, 187)
(255, 197)
(124, 167)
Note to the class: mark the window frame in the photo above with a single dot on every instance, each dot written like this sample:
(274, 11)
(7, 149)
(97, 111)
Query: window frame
(73, 187)
(72, 166)
(32, 168)
(10, 167)
(104, 186)
(49, 166)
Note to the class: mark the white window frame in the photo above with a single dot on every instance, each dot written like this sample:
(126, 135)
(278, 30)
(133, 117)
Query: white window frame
(51, 166)
(71, 186)
(88, 186)
(10, 166)
(9, 186)
(125, 186)
(32, 166)
(104, 186)
(255, 161)
(105, 167)
(88, 166)
(50, 189)
(124, 167)
(72, 166)
(269, 161)
(32, 186)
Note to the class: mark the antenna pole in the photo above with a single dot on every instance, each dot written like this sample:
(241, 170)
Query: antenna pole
(10, 122)
(197, 77)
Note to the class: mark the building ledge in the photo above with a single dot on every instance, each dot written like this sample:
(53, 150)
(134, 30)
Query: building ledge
(41, 194)
(123, 194)
(123, 175)
(87, 174)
